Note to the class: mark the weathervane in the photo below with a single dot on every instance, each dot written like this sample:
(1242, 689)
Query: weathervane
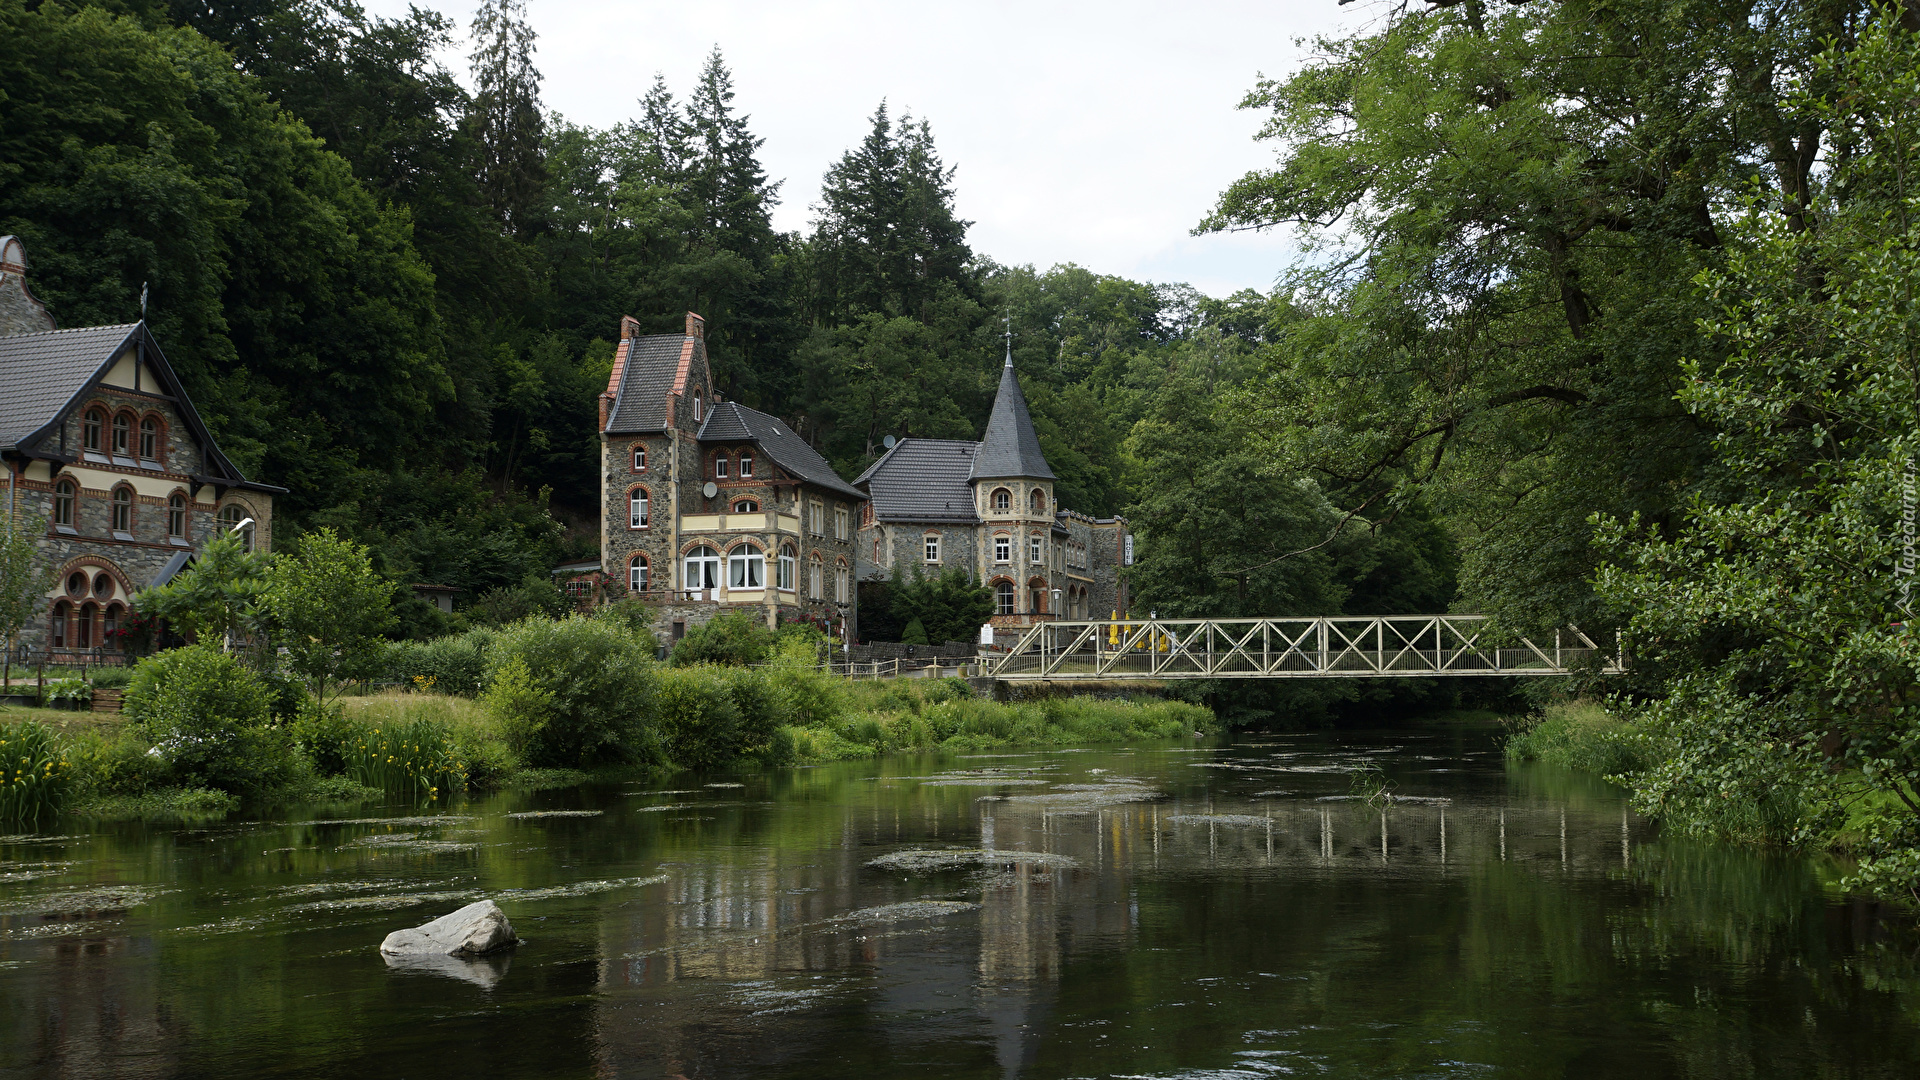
(1009, 321)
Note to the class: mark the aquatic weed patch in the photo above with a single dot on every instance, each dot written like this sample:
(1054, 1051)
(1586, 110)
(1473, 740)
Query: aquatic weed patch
(933, 860)
(908, 911)
(531, 815)
(93, 902)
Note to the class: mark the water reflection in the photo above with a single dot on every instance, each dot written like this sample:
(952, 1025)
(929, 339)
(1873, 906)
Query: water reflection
(1175, 911)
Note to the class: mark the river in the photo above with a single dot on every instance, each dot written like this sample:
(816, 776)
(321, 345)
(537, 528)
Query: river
(1198, 910)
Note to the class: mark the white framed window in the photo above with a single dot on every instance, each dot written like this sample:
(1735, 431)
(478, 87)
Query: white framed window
(746, 465)
(816, 518)
(1035, 552)
(840, 589)
(1003, 597)
(639, 457)
(788, 560)
(746, 568)
(814, 575)
(1002, 499)
(746, 506)
(637, 574)
(697, 414)
(932, 549)
(719, 466)
(637, 509)
(177, 516)
(839, 523)
(1003, 549)
(702, 569)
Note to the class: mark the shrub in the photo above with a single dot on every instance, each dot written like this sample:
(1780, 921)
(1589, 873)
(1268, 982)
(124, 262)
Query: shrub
(700, 724)
(207, 716)
(1579, 735)
(733, 637)
(35, 776)
(110, 678)
(579, 691)
(63, 692)
(115, 764)
(327, 736)
(451, 665)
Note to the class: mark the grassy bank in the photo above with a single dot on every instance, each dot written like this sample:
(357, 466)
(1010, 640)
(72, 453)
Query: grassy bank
(1578, 735)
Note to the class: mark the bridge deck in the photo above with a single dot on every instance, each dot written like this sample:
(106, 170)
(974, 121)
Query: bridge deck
(1350, 646)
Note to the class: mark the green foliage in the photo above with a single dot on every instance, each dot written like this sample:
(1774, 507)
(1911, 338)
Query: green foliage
(1774, 617)
(217, 595)
(36, 778)
(24, 579)
(115, 763)
(733, 637)
(949, 606)
(455, 664)
(1580, 735)
(416, 760)
(585, 696)
(915, 633)
(207, 715)
(700, 725)
(536, 597)
(325, 609)
(67, 692)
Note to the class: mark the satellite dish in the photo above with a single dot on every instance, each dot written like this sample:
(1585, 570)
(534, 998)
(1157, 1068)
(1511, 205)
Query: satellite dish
(889, 442)
(710, 490)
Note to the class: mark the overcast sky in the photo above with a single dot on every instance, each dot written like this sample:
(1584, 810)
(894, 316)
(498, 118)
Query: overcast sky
(1091, 133)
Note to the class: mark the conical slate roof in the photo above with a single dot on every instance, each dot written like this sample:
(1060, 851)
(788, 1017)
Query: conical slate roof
(1010, 447)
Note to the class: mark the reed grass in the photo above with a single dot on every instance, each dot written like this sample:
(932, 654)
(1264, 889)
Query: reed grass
(35, 777)
(415, 759)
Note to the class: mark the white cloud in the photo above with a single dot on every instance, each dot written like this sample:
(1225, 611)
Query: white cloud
(1097, 134)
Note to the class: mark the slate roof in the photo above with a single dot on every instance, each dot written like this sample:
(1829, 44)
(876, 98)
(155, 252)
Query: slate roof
(44, 372)
(47, 374)
(923, 480)
(1010, 447)
(731, 421)
(652, 364)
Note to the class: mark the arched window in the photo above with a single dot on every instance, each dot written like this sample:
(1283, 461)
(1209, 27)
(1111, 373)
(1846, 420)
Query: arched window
(150, 439)
(720, 465)
(123, 434)
(1003, 597)
(746, 568)
(638, 573)
(231, 516)
(639, 457)
(83, 627)
(637, 517)
(746, 506)
(1002, 498)
(1039, 501)
(746, 464)
(90, 426)
(703, 568)
(815, 575)
(177, 516)
(840, 583)
(110, 627)
(788, 560)
(57, 632)
(696, 406)
(123, 509)
(1037, 597)
(63, 493)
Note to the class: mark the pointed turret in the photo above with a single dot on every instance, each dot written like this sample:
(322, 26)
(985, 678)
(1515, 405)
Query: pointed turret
(1010, 448)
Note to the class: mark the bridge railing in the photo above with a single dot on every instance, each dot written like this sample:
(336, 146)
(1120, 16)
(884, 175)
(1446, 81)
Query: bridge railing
(1387, 646)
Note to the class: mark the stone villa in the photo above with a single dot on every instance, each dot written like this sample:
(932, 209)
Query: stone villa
(707, 504)
(100, 439)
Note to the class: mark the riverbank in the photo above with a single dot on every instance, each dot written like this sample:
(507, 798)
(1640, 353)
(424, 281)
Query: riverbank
(112, 772)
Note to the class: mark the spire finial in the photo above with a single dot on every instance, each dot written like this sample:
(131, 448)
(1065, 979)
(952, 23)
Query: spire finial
(1009, 322)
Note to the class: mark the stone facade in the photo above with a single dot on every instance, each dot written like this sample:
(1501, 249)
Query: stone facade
(120, 469)
(776, 537)
(990, 508)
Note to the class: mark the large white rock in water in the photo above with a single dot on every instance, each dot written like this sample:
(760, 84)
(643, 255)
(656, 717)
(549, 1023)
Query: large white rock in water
(474, 930)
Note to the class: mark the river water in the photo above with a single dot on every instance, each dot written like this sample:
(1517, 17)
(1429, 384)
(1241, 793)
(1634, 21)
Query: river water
(1197, 910)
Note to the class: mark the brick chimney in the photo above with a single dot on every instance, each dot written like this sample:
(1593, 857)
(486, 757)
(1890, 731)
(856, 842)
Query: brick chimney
(696, 326)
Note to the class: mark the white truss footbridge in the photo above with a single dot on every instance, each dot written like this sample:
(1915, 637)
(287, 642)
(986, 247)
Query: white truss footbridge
(1344, 646)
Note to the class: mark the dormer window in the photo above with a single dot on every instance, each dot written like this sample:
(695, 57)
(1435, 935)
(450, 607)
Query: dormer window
(719, 466)
(746, 465)
(90, 426)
